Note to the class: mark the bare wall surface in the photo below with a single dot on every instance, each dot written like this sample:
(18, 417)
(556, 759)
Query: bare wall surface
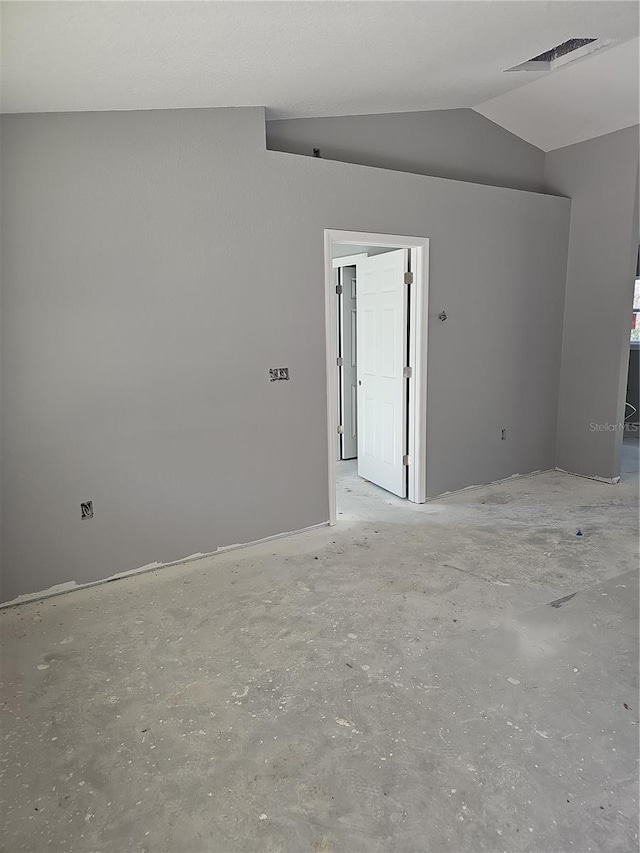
(457, 144)
(601, 176)
(157, 264)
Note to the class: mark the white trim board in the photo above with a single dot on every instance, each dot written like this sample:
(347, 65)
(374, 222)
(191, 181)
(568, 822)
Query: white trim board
(73, 586)
(501, 482)
(608, 481)
(417, 444)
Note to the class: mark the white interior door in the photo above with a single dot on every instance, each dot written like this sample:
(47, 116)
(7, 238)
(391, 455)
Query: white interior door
(348, 372)
(337, 277)
(381, 351)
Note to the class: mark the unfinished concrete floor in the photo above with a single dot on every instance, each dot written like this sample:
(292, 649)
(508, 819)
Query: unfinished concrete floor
(460, 676)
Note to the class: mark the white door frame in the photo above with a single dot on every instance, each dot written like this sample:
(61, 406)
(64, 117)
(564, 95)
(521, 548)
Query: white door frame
(418, 304)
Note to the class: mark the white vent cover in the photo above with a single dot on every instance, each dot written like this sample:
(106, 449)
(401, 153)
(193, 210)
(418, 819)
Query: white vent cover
(562, 54)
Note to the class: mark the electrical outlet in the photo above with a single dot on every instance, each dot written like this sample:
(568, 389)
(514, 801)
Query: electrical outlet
(86, 510)
(503, 435)
(277, 374)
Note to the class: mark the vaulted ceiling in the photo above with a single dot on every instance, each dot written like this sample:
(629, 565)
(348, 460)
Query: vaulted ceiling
(301, 59)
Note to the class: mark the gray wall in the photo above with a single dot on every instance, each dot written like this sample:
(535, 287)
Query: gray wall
(601, 176)
(156, 264)
(457, 144)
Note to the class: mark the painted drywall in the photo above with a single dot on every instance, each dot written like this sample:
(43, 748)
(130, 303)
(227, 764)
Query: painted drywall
(601, 176)
(457, 144)
(157, 264)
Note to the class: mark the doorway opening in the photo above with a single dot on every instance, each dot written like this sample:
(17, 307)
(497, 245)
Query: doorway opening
(376, 288)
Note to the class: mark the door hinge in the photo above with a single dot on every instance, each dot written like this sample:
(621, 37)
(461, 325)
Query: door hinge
(408, 278)
(339, 289)
(340, 429)
(407, 372)
(339, 361)
(406, 459)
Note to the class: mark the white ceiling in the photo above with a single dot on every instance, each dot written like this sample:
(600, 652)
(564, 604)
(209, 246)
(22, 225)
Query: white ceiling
(591, 97)
(321, 58)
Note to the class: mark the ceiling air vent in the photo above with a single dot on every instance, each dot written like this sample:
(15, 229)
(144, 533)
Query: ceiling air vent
(562, 54)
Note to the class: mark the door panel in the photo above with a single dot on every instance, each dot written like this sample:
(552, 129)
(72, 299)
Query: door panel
(381, 354)
(337, 278)
(348, 371)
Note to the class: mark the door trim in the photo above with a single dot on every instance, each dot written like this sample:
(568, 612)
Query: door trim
(418, 308)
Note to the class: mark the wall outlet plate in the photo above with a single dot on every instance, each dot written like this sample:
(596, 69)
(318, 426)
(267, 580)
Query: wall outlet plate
(276, 374)
(86, 510)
